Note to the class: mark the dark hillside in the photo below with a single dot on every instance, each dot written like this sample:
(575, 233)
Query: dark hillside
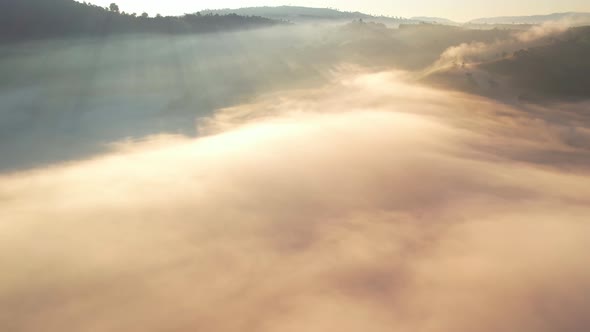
(561, 68)
(307, 14)
(39, 19)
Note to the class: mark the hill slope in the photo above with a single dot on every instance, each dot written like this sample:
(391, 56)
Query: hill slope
(438, 20)
(37, 19)
(557, 69)
(572, 17)
(561, 68)
(306, 14)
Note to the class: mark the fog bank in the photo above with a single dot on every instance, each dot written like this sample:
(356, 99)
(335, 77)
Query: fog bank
(366, 204)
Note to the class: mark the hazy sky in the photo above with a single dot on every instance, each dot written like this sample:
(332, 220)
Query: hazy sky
(460, 10)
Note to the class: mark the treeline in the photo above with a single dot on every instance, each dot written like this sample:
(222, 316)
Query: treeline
(38, 19)
(297, 14)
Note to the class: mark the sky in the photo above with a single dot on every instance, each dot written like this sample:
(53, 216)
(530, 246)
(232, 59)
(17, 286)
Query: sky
(459, 10)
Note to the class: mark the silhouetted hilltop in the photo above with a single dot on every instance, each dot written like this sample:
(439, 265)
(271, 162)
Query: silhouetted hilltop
(292, 11)
(307, 14)
(37, 19)
(435, 20)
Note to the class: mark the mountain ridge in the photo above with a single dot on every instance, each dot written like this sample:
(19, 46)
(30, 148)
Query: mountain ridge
(582, 17)
(302, 14)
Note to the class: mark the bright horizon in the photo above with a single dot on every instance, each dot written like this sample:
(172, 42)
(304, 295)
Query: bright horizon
(458, 10)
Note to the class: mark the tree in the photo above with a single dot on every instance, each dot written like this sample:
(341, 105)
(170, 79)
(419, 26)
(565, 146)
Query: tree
(114, 8)
(144, 15)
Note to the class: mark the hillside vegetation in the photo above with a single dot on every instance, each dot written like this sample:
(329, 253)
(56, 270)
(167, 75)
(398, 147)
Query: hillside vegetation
(306, 14)
(561, 68)
(38, 19)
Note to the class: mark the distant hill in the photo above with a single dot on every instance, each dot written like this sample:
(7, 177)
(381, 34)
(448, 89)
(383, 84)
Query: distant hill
(439, 20)
(281, 12)
(572, 17)
(501, 26)
(306, 14)
(38, 19)
(412, 47)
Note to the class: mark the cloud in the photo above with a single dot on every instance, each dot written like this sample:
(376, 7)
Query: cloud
(369, 204)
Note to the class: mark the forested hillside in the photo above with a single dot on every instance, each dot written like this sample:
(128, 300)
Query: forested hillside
(561, 68)
(307, 14)
(38, 19)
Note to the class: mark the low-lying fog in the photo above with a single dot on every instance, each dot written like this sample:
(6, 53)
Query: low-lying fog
(265, 182)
